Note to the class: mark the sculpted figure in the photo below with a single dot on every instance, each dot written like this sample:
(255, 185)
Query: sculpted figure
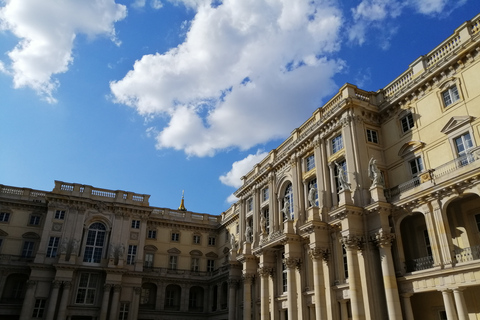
(342, 178)
(286, 209)
(312, 195)
(233, 242)
(263, 225)
(374, 174)
(64, 246)
(248, 234)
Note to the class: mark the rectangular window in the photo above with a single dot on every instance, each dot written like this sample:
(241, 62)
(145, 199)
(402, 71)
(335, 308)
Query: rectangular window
(4, 216)
(210, 265)
(52, 247)
(34, 220)
(39, 308)
(450, 96)
(169, 298)
(195, 264)
(249, 204)
(463, 143)
(416, 166)
(266, 215)
(372, 136)
(284, 274)
(28, 247)
(196, 239)
(60, 215)
(172, 264)
(136, 224)
(148, 263)
(345, 262)
(428, 246)
(310, 162)
(132, 252)
(87, 286)
(337, 144)
(265, 194)
(175, 236)
(152, 234)
(211, 241)
(407, 122)
(123, 312)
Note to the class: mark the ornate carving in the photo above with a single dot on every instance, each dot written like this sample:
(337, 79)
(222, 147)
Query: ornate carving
(352, 241)
(383, 239)
(248, 277)
(56, 284)
(31, 283)
(265, 272)
(117, 288)
(319, 253)
(107, 286)
(232, 283)
(137, 290)
(67, 284)
(291, 262)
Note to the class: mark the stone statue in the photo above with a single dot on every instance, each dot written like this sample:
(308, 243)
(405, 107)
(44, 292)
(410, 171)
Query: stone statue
(374, 174)
(286, 209)
(112, 251)
(248, 234)
(312, 195)
(233, 242)
(64, 246)
(342, 178)
(74, 246)
(121, 250)
(263, 224)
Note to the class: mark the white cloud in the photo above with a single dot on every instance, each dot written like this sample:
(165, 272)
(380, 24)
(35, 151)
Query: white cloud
(248, 71)
(156, 4)
(47, 30)
(240, 168)
(139, 4)
(231, 199)
(429, 6)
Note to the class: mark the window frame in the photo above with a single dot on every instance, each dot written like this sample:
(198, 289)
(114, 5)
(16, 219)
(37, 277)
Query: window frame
(210, 265)
(452, 94)
(4, 217)
(39, 308)
(148, 262)
(195, 264)
(131, 254)
(28, 249)
(337, 143)
(59, 215)
(52, 247)
(135, 224)
(34, 220)
(419, 166)
(175, 236)
(97, 250)
(372, 136)
(212, 240)
(89, 290)
(197, 239)
(309, 162)
(173, 262)
(152, 234)
(265, 194)
(409, 123)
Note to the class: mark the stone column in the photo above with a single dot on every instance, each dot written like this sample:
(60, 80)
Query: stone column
(160, 302)
(460, 303)
(219, 295)
(384, 243)
(449, 305)
(64, 300)
(343, 309)
(247, 295)
(432, 235)
(444, 237)
(115, 301)
(264, 292)
(232, 290)
(133, 312)
(28, 301)
(291, 264)
(318, 255)
(352, 244)
(407, 306)
(105, 299)
(52, 302)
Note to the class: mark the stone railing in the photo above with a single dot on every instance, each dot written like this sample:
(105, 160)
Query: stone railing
(418, 264)
(22, 193)
(467, 254)
(187, 216)
(175, 273)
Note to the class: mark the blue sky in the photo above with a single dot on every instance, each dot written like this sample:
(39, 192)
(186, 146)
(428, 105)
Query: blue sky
(160, 96)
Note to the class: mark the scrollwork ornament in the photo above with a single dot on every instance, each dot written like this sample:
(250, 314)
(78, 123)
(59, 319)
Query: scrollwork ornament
(352, 242)
(319, 253)
(265, 272)
(384, 239)
(291, 262)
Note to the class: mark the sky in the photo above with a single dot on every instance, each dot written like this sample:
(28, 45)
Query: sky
(160, 96)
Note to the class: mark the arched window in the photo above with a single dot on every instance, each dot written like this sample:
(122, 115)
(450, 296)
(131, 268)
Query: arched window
(288, 198)
(95, 242)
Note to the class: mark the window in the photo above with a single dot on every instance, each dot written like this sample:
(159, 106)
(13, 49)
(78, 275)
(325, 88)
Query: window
(28, 247)
(237, 228)
(152, 234)
(288, 201)
(4, 216)
(175, 236)
(266, 215)
(94, 244)
(337, 144)
(210, 265)
(52, 247)
(169, 298)
(123, 313)
(211, 241)
(60, 215)
(172, 263)
(39, 308)
(135, 224)
(345, 262)
(195, 264)
(310, 162)
(372, 136)
(463, 144)
(416, 166)
(34, 220)
(249, 204)
(450, 96)
(196, 239)
(477, 220)
(132, 252)
(87, 286)
(407, 122)
(428, 246)
(284, 274)
(265, 194)
(148, 260)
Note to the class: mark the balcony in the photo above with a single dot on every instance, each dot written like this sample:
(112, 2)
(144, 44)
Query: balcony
(418, 264)
(467, 254)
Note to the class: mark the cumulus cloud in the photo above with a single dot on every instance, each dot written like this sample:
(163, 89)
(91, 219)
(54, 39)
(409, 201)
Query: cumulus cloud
(248, 71)
(47, 30)
(240, 168)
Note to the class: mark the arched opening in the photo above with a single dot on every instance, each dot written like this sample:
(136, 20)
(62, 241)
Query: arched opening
(195, 299)
(14, 290)
(224, 297)
(173, 294)
(94, 243)
(148, 296)
(416, 243)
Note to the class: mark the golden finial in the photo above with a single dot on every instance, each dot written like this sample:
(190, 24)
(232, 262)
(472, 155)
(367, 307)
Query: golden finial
(182, 204)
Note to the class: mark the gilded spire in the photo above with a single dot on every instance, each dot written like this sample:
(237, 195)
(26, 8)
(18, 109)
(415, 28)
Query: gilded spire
(182, 204)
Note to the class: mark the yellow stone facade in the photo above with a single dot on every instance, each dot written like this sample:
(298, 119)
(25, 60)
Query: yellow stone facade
(369, 210)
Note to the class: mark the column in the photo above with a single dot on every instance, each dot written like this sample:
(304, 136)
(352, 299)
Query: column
(460, 303)
(184, 295)
(232, 290)
(444, 242)
(449, 305)
(317, 255)
(407, 306)
(352, 243)
(247, 296)
(133, 312)
(64, 300)
(219, 295)
(105, 299)
(264, 292)
(115, 300)
(432, 235)
(291, 264)
(384, 243)
(343, 309)
(29, 300)
(160, 302)
(52, 302)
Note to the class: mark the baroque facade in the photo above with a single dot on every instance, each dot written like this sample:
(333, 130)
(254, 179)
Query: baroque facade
(368, 210)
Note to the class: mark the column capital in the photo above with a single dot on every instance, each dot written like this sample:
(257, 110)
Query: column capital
(31, 283)
(56, 284)
(265, 272)
(291, 262)
(383, 239)
(319, 253)
(67, 284)
(107, 286)
(352, 241)
(232, 282)
(248, 277)
(117, 288)
(137, 290)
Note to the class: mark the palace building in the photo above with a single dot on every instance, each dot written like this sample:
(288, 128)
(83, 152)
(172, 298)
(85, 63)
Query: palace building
(369, 210)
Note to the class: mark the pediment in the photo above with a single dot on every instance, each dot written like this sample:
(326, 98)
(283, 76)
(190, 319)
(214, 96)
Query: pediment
(3, 233)
(197, 253)
(150, 248)
(410, 147)
(174, 251)
(30, 235)
(211, 255)
(456, 122)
